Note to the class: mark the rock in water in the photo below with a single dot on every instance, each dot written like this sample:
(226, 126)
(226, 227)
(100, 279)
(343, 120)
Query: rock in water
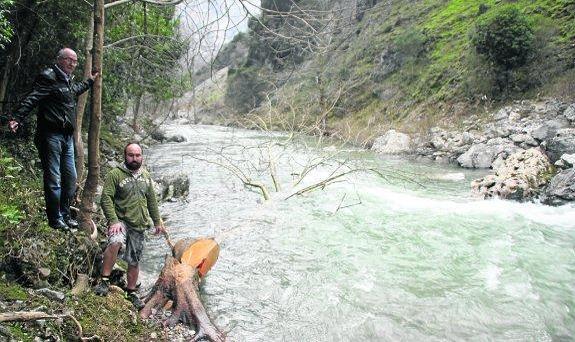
(392, 142)
(520, 177)
(173, 186)
(176, 138)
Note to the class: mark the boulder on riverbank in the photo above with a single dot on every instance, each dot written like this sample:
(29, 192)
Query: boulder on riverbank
(561, 189)
(172, 187)
(392, 142)
(563, 142)
(520, 177)
(566, 161)
(484, 155)
(178, 138)
(547, 130)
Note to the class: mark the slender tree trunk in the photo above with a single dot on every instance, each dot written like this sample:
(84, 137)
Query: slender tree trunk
(4, 84)
(87, 205)
(82, 99)
(137, 103)
(322, 106)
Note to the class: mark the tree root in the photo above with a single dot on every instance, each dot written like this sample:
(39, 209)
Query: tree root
(179, 282)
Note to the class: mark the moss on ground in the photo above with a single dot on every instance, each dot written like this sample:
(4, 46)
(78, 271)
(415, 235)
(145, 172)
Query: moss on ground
(12, 292)
(113, 318)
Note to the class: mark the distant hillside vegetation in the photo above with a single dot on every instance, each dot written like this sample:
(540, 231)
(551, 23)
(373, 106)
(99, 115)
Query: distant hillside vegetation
(354, 68)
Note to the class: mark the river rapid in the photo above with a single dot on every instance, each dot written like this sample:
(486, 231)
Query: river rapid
(405, 255)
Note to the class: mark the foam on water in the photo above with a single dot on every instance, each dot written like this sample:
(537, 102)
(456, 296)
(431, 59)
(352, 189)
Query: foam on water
(404, 258)
(563, 216)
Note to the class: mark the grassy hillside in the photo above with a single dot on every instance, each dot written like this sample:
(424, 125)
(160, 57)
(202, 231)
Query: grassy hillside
(407, 64)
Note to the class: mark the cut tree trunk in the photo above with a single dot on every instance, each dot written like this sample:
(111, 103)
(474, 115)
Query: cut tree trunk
(179, 281)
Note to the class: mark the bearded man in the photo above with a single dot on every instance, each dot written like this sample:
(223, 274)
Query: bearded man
(129, 204)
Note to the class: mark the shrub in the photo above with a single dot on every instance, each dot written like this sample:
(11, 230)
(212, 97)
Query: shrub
(6, 31)
(504, 36)
(246, 89)
(411, 43)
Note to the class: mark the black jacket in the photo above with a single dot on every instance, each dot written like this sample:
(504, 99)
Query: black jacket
(56, 101)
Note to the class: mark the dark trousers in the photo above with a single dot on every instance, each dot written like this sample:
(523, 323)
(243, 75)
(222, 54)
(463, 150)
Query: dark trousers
(57, 156)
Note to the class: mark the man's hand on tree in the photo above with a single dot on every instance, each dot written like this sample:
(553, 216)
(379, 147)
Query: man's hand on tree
(94, 74)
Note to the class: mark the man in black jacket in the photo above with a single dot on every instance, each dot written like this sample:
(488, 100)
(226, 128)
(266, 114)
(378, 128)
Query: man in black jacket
(55, 95)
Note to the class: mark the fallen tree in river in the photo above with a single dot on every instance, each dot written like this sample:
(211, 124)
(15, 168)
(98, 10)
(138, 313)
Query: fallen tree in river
(179, 282)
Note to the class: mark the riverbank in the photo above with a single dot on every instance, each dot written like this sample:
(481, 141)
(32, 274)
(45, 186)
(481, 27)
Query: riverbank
(499, 141)
(48, 271)
(46, 275)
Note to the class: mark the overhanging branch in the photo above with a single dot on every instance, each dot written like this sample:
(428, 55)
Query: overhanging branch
(155, 2)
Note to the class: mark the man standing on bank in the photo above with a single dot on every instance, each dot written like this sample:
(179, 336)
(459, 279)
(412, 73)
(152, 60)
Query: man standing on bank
(55, 95)
(128, 201)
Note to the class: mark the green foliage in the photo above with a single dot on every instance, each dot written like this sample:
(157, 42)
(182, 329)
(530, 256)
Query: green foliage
(6, 31)
(27, 243)
(505, 36)
(404, 58)
(10, 213)
(144, 62)
(111, 317)
(147, 63)
(40, 34)
(19, 334)
(246, 88)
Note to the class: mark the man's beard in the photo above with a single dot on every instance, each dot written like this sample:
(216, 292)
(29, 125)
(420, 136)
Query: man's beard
(133, 166)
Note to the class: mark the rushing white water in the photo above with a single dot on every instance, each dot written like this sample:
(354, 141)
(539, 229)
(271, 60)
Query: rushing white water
(409, 257)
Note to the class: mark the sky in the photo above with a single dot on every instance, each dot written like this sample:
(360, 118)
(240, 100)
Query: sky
(211, 23)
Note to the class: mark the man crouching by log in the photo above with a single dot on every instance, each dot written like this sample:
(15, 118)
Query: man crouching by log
(128, 202)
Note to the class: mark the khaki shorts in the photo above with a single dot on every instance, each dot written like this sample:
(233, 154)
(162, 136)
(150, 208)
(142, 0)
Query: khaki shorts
(132, 242)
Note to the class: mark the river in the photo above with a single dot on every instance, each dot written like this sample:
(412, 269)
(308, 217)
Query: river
(411, 256)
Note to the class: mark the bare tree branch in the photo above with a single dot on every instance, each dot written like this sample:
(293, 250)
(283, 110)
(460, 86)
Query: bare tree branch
(155, 2)
(21, 316)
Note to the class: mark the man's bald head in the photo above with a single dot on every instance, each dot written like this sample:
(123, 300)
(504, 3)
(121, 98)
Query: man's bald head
(67, 60)
(133, 157)
(66, 52)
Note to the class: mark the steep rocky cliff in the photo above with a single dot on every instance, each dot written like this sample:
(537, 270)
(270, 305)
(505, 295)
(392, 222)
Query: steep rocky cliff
(354, 69)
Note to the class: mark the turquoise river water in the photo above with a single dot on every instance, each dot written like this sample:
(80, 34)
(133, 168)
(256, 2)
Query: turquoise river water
(407, 255)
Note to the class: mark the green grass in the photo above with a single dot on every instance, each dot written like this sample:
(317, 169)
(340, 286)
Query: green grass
(111, 317)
